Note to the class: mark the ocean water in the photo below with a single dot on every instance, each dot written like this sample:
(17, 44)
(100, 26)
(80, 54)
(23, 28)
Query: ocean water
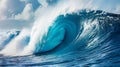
(88, 38)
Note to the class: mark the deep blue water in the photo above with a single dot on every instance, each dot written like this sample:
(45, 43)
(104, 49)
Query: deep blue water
(88, 38)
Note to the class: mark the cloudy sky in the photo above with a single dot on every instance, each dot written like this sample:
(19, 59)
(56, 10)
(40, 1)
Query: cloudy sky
(17, 14)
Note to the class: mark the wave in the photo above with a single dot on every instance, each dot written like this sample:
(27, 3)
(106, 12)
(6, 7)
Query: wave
(83, 38)
(83, 30)
(6, 37)
(78, 31)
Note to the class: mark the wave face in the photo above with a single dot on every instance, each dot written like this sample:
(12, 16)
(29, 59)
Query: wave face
(84, 38)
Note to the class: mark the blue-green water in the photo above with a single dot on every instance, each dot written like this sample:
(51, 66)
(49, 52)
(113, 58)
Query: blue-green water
(88, 38)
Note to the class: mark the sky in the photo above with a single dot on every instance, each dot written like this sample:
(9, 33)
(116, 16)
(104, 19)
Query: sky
(18, 14)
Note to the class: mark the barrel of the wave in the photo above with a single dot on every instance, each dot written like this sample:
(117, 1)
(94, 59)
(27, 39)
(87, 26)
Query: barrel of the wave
(60, 34)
